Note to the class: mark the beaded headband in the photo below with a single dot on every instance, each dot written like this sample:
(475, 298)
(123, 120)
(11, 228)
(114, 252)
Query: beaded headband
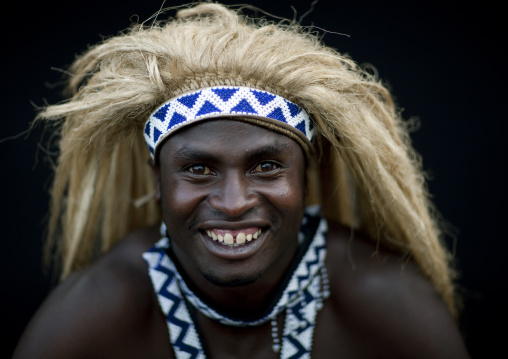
(233, 102)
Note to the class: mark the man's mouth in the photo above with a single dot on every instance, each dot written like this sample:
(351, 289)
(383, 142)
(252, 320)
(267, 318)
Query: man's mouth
(234, 238)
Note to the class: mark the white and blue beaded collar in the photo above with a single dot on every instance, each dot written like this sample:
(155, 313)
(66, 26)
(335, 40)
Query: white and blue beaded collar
(301, 297)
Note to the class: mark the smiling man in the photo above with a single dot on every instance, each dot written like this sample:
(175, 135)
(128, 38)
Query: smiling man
(283, 213)
(232, 195)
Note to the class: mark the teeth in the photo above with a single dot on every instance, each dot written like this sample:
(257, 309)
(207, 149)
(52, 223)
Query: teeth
(229, 240)
(240, 238)
(211, 235)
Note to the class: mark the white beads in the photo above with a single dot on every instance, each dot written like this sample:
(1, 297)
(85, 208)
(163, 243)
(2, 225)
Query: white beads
(275, 336)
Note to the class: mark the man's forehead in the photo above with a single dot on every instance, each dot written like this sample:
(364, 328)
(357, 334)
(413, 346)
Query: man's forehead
(233, 135)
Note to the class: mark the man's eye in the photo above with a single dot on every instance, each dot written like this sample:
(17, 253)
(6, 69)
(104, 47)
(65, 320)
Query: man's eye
(199, 170)
(266, 167)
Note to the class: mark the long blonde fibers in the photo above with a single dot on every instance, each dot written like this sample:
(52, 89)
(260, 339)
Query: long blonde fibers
(378, 186)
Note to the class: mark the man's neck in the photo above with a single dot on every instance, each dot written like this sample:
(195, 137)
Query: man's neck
(239, 302)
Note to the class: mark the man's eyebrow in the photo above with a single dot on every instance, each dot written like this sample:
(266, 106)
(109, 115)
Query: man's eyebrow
(269, 150)
(186, 153)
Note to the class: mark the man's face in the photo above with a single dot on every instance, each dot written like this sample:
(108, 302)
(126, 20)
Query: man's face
(232, 197)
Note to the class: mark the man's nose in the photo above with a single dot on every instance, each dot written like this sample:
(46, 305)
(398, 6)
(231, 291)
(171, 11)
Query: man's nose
(233, 196)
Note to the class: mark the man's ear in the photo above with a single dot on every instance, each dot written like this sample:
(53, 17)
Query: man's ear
(157, 178)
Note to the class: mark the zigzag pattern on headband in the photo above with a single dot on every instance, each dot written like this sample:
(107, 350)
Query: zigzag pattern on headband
(230, 101)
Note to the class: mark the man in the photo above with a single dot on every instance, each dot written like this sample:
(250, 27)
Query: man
(254, 132)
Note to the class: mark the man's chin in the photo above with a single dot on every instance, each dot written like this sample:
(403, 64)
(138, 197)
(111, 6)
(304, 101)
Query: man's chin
(230, 282)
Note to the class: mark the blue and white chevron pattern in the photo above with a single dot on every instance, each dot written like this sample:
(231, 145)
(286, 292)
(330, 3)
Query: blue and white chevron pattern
(231, 101)
(182, 332)
(306, 296)
(301, 299)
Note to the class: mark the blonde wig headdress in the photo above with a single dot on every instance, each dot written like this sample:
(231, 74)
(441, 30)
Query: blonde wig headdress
(374, 181)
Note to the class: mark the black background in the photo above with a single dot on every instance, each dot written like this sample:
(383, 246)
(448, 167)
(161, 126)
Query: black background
(442, 60)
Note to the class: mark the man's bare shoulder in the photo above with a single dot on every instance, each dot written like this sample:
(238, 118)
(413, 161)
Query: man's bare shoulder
(362, 267)
(382, 298)
(108, 306)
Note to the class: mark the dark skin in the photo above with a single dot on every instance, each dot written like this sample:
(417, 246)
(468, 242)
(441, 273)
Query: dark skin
(380, 306)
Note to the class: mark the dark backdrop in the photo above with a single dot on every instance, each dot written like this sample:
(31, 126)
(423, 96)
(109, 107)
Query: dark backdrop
(443, 62)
